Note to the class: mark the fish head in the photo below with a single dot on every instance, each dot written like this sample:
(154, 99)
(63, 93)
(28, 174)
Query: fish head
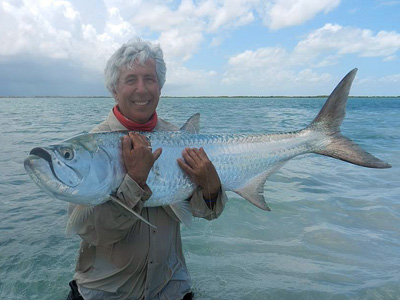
(76, 170)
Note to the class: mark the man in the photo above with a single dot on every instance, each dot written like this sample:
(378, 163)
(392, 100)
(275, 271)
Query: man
(120, 256)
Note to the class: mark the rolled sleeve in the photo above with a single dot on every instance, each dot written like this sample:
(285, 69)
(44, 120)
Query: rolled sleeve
(132, 195)
(200, 208)
(109, 222)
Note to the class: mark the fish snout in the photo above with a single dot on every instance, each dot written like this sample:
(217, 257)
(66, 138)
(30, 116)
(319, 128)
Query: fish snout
(60, 170)
(42, 153)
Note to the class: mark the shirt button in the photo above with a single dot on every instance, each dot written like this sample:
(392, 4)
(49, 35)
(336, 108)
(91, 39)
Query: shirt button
(151, 262)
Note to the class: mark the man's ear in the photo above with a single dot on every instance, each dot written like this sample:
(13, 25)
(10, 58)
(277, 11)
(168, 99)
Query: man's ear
(115, 95)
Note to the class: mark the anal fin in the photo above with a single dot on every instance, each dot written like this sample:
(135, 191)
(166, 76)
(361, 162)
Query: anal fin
(253, 190)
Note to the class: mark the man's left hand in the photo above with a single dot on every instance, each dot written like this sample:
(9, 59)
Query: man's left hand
(201, 170)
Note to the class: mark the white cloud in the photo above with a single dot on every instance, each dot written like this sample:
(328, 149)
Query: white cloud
(274, 66)
(285, 13)
(386, 85)
(182, 29)
(68, 31)
(376, 81)
(389, 3)
(333, 38)
(54, 29)
(390, 58)
(268, 71)
(186, 82)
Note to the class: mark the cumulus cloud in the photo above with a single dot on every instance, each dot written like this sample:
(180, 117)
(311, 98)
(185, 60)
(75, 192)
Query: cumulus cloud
(268, 71)
(182, 29)
(348, 40)
(54, 29)
(183, 81)
(66, 30)
(284, 13)
(83, 34)
(270, 67)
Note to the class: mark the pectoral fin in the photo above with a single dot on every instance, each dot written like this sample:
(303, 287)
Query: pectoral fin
(78, 218)
(116, 200)
(183, 212)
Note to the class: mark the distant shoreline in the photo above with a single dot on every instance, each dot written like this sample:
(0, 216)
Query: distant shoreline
(203, 97)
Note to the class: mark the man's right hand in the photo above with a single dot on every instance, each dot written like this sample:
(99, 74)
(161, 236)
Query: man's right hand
(138, 157)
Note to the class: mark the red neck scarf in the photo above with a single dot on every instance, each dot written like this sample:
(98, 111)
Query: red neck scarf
(130, 125)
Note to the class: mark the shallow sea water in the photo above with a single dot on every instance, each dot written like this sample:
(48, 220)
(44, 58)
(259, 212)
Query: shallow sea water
(333, 232)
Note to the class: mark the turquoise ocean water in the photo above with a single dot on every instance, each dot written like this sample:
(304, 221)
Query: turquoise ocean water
(333, 232)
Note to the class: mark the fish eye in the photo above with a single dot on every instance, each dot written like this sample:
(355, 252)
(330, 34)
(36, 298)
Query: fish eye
(67, 153)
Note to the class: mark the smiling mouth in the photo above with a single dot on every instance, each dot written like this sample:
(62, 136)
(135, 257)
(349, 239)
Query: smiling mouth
(141, 103)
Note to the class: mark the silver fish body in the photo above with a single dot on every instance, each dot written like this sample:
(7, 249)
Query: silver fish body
(88, 168)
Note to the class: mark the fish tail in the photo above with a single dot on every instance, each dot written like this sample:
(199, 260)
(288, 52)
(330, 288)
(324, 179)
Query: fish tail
(329, 120)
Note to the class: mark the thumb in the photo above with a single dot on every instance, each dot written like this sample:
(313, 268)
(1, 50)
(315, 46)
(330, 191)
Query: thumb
(157, 153)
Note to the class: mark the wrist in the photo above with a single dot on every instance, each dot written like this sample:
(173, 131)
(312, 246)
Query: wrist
(140, 181)
(210, 196)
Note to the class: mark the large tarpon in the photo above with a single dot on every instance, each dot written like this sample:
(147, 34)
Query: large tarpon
(88, 168)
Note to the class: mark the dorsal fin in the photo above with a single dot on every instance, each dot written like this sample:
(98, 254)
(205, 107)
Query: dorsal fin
(192, 125)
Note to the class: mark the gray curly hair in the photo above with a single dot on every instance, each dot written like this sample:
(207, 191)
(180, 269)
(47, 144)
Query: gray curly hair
(135, 50)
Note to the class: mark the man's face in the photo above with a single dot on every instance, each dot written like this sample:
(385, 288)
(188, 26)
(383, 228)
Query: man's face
(138, 92)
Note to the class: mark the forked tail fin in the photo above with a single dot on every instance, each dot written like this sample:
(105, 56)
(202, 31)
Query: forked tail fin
(329, 120)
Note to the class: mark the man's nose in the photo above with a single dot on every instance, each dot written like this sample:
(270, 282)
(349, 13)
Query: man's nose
(140, 86)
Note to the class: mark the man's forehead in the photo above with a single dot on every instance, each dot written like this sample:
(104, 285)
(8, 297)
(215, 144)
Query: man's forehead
(150, 64)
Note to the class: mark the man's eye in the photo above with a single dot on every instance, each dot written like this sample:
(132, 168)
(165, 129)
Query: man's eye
(130, 80)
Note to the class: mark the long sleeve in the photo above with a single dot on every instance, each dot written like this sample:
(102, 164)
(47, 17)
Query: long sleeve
(109, 222)
(201, 210)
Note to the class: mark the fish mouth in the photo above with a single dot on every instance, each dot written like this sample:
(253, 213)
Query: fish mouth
(41, 173)
(40, 167)
(40, 152)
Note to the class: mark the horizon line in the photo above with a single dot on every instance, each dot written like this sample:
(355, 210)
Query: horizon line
(315, 96)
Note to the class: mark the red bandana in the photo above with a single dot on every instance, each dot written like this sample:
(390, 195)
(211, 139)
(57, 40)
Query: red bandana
(130, 125)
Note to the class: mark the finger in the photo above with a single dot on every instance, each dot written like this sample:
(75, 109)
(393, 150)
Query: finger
(194, 153)
(145, 142)
(157, 153)
(140, 141)
(126, 149)
(134, 139)
(202, 154)
(143, 139)
(188, 156)
(185, 167)
(126, 144)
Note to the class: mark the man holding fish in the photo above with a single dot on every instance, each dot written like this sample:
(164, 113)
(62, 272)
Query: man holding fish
(120, 256)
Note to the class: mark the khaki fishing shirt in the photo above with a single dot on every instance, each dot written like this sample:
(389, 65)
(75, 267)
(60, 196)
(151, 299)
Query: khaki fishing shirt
(121, 257)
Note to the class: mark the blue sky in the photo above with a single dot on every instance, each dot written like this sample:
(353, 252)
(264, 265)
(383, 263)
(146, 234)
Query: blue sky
(212, 48)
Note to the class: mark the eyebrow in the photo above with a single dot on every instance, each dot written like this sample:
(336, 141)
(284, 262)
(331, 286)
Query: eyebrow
(129, 76)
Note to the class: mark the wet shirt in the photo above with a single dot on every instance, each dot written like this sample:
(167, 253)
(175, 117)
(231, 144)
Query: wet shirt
(121, 257)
